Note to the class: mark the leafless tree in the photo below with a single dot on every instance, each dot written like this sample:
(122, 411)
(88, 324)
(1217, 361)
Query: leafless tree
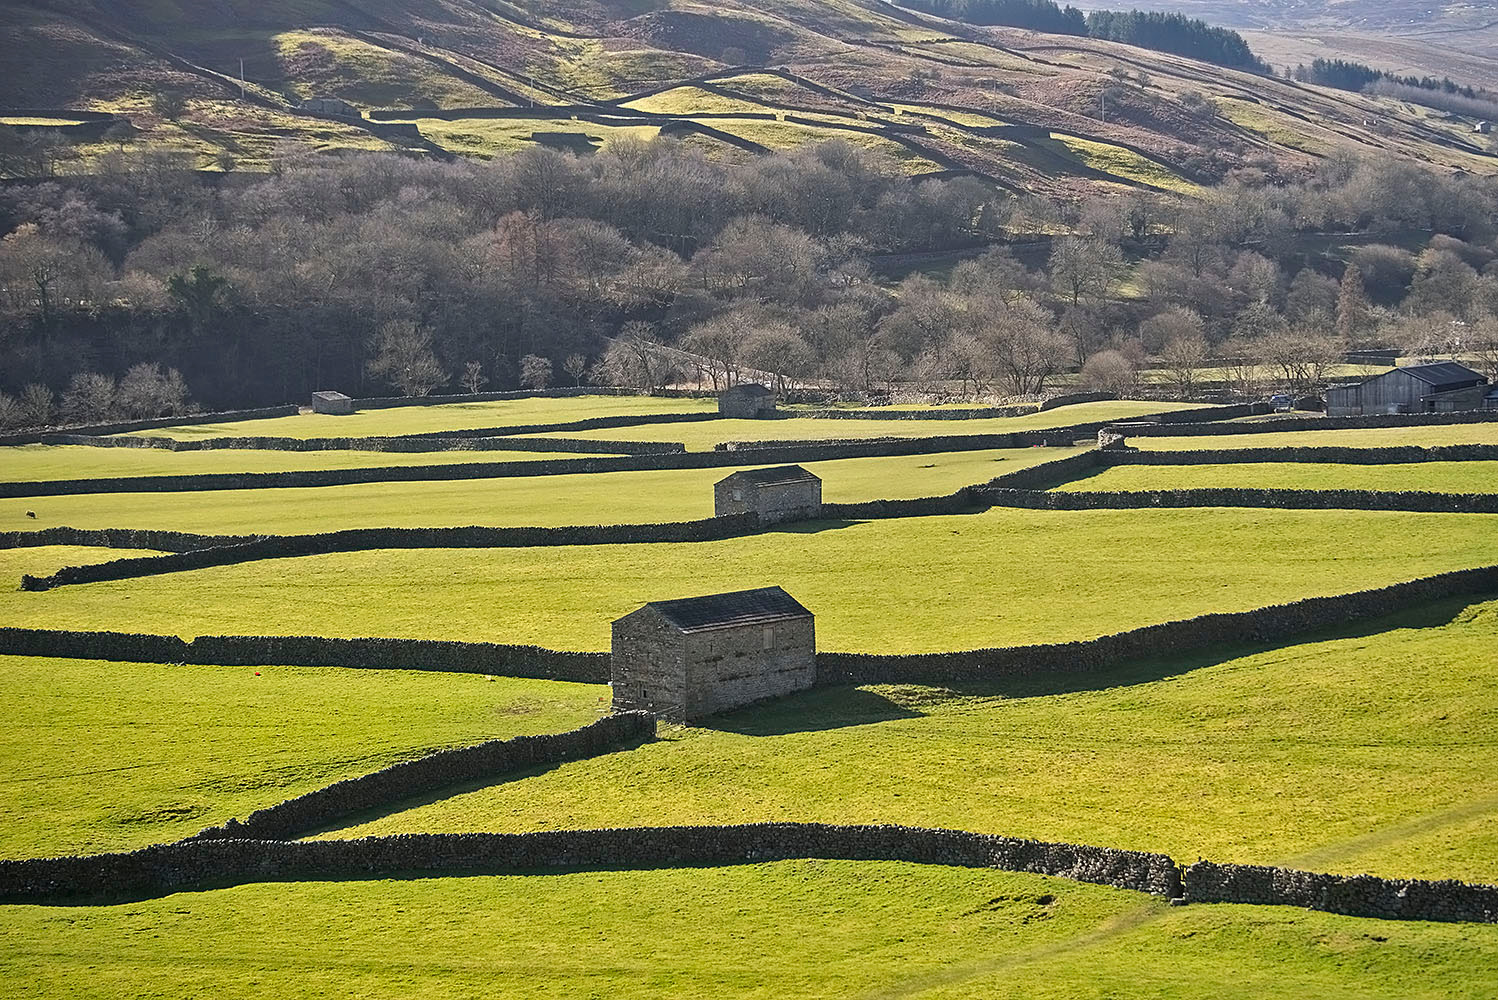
(535, 371)
(404, 358)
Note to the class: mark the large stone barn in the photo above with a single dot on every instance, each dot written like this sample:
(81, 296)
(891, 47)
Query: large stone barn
(1443, 387)
(784, 493)
(747, 400)
(686, 659)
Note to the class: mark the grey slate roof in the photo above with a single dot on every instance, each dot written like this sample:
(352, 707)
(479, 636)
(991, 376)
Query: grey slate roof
(1444, 374)
(780, 475)
(764, 606)
(750, 389)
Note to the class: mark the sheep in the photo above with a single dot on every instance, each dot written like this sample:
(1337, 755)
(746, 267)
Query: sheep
(31, 514)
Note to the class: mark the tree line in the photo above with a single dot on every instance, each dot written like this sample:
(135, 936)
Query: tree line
(1162, 32)
(143, 291)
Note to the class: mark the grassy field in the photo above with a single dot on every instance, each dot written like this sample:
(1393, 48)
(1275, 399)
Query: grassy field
(607, 498)
(113, 756)
(1379, 437)
(442, 417)
(788, 929)
(703, 436)
(903, 585)
(1436, 477)
(37, 462)
(1329, 747)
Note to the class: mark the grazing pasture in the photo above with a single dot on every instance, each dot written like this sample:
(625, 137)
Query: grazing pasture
(113, 756)
(1004, 577)
(1378, 437)
(597, 498)
(1433, 477)
(790, 928)
(1257, 757)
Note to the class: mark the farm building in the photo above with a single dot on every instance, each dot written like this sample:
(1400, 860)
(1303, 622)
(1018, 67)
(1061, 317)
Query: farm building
(746, 400)
(1483, 128)
(1443, 387)
(686, 659)
(785, 493)
(328, 401)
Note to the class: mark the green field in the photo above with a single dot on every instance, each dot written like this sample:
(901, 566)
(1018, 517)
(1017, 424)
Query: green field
(442, 417)
(1379, 437)
(759, 932)
(1434, 477)
(1327, 746)
(703, 436)
(597, 498)
(1004, 577)
(113, 756)
(38, 462)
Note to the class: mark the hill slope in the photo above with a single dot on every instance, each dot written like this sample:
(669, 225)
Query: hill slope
(1030, 111)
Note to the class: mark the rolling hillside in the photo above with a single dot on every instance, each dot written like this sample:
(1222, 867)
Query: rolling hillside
(480, 77)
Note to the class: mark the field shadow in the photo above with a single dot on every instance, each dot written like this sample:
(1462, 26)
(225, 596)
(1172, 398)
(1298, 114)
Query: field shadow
(813, 711)
(811, 527)
(1144, 671)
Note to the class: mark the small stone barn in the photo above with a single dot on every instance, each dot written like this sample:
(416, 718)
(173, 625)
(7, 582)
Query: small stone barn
(784, 493)
(747, 400)
(686, 659)
(1443, 387)
(328, 401)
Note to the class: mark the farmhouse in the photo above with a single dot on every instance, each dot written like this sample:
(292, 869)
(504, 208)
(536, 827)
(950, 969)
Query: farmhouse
(328, 401)
(1443, 387)
(746, 400)
(784, 493)
(690, 658)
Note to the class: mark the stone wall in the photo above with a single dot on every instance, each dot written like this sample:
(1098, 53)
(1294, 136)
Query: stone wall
(496, 659)
(1397, 455)
(119, 538)
(1369, 421)
(366, 539)
(202, 864)
(1222, 631)
(1422, 502)
(647, 665)
(407, 445)
(390, 786)
(191, 420)
(1352, 895)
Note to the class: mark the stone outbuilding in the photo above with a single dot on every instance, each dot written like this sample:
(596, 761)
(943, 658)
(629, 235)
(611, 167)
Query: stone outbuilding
(686, 659)
(784, 493)
(1442, 387)
(747, 400)
(328, 401)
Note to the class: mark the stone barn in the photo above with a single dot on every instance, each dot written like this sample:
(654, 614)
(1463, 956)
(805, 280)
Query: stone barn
(328, 401)
(784, 493)
(1443, 387)
(686, 659)
(747, 400)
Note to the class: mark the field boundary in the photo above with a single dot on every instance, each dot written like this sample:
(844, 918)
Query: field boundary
(1413, 501)
(433, 772)
(1371, 421)
(413, 444)
(216, 863)
(130, 426)
(1209, 631)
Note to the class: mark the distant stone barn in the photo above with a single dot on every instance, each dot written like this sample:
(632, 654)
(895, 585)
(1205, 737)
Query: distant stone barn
(686, 659)
(328, 401)
(747, 400)
(1442, 387)
(784, 493)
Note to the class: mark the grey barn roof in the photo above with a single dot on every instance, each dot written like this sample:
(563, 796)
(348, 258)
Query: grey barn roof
(1443, 374)
(780, 475)
(750, 388)
(764, 606)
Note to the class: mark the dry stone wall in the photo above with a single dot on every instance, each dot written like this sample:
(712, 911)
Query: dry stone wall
(192, 420)
(1351, 895)
(390, 786)
(201, 864)
(407, 445)
(1422, 502)
(1278, 424)
(119, 538)
(1400, 455)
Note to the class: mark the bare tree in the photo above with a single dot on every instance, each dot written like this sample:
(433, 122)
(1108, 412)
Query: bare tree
(1482, 344)
(404, 358)
(1110, 371)
(535, 371)
(148, 391)
(1243, 366)
(1183, 356)
(473, 378)
(1352, 304)
(38, 403)
(89, 399)
(1084, 267)
(575, 365)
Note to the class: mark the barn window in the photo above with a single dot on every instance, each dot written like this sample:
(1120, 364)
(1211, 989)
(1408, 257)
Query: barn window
(769, 638)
